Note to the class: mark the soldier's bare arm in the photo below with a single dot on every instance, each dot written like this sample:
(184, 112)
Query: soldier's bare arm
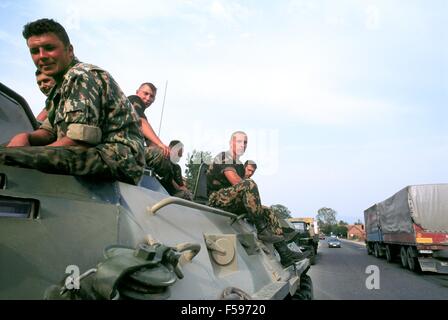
(42, 115)
(65, 141)
(232, 176)
(149, 133)
(40, 137)
(19, 140)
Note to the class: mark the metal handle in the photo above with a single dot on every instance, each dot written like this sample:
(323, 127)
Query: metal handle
(185, 203)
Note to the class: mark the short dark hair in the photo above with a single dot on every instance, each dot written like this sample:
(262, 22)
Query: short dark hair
(149, 84)
(38, 72)
(175, 142)
(250, 162)
(42, 26)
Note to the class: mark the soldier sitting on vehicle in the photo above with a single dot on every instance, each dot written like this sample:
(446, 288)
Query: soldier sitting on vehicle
(157, 154)
(249, 168)
(90, 129)
(45, 83)
(143, 99)
(176, 152)
(228, 190)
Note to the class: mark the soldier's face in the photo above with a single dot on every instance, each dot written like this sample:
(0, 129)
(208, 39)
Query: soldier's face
(147, 95)
(249, 171)
(239, 143)
(45, 83)
(49, 54)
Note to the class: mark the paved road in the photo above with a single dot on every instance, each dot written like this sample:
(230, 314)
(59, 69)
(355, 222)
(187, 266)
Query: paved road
(340, 274)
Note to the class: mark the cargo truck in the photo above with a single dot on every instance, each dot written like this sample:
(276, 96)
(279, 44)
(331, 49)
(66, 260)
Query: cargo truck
(411, 226)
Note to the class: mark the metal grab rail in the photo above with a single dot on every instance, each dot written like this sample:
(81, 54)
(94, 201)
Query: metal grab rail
(174, 200)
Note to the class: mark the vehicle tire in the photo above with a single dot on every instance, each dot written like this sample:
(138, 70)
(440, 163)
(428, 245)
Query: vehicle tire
(376, 250)
(369, 249)
(389, 256)
(305, 291)
(404, 257)
(413, 264)
(312, 257)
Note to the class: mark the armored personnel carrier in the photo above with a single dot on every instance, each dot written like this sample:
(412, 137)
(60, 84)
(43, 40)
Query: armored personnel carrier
(67, 237)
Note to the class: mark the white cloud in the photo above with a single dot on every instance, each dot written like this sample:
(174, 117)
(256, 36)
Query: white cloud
(218, 9)
(372, 21)
(231, 12)
(76, 13)
(278, 92)
(208, 42)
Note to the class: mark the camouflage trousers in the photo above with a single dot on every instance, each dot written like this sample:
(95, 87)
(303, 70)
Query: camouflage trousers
(161, 166)
(183, 195)
(78, 161)
(244, 198)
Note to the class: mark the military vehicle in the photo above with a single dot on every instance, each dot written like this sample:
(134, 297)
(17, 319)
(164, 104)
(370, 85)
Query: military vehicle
(69, 237)
(307, 238)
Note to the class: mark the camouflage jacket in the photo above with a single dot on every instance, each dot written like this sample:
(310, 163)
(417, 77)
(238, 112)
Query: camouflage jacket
(139, 108)
(89, 106)
(216, 179)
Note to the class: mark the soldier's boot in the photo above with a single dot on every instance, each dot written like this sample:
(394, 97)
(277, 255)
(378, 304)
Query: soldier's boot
(264, 233)
(287, 257)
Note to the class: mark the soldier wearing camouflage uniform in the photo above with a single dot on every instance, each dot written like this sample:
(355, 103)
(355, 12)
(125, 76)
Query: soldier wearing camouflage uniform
(228, 190)
(91, 129)
(157, 154)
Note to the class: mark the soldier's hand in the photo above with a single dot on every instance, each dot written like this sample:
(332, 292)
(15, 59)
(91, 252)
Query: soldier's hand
(20, 140)
(165, 151)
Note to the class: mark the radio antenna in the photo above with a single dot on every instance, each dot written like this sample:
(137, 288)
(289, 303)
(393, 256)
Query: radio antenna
(163, 107)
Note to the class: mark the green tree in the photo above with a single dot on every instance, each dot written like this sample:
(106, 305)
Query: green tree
(282, 211)
(326, 217)
(341, 229)
(326, 220)
(192, 166)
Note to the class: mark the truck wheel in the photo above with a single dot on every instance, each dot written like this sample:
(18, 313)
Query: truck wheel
(376, 250)
(369, 249)
(412, 260)
(403, 257)
(389, 256)
(305, 291)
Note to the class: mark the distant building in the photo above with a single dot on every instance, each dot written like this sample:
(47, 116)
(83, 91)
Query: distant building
(356, 231)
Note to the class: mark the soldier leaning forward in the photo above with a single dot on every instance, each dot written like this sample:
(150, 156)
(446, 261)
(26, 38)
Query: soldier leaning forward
(91, 129)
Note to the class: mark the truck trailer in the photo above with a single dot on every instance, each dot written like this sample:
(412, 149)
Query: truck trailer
(412, 225)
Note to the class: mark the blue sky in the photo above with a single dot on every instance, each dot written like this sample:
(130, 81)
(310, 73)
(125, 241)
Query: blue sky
(345, 101)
